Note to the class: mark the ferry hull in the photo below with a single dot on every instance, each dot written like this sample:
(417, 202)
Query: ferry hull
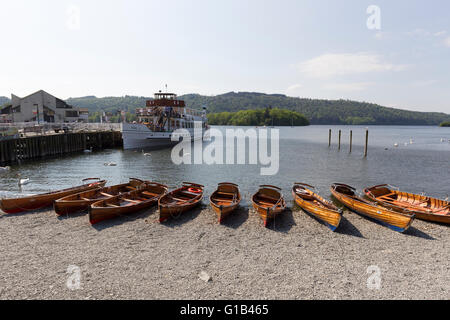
(137, 136)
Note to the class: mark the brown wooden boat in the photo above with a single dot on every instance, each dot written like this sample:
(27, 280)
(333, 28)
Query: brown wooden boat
(225, 199)
(394, 220)
(147, 195)
(81, 201)
(180, 200)
(268, 202)
(45, 200)
(316, 206)
(425, 208)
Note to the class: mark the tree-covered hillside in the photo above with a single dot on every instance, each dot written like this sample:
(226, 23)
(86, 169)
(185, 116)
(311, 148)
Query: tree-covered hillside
(110, 104)
(317, 111)
(4, 100)
(259, 117)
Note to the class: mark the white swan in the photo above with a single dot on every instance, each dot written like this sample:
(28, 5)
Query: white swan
(146, 153)
(5, 168)
(24, 181)
(396, 145)
(88, 150)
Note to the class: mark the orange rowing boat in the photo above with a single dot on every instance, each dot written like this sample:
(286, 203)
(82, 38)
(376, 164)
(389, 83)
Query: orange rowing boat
(316, 206)
(225, 199)
(268, 202)
(81, 201)
(425, 208)
(394, 220)
(147, 195)
(45, 200)
(180, 200)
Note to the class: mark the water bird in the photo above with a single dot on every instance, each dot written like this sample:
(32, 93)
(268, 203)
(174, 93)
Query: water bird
(147, 154)
(23, 182)
(110, 164)
(88, 150)
(442, 140)
(411, 141)
(396, 145)
(4, 168)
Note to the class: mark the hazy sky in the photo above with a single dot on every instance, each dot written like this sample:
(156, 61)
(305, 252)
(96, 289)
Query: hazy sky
(317, 49)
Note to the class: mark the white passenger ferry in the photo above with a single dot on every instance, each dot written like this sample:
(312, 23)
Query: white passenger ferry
(159, 119)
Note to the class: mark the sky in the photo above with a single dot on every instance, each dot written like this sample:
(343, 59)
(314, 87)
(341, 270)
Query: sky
(394, 53)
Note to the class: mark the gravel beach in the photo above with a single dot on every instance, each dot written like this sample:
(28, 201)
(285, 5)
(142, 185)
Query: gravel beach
(192, 257)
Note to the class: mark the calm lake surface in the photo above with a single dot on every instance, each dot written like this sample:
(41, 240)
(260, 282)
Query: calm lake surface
(418, 165)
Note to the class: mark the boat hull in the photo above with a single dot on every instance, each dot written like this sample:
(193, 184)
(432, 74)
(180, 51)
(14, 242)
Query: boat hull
(81, 201)
(268, 202)
(166, 212)
(180, 200)
(128, 203)
(267, 214)
(330, 217)
(435, 210)
(394, 220)
(225, 200)
(12, 206)
(97, 215)
(139, 136)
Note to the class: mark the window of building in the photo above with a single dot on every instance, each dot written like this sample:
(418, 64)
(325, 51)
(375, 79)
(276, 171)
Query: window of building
(72, 113)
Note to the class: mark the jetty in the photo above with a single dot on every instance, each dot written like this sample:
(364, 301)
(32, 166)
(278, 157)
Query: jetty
(28, 141)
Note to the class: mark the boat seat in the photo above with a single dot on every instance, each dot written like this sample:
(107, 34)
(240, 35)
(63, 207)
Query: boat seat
(265, 203)
(112, 205)
(226, 193)
(106, 194)
(179, 199)
(85, 199)
(150, 193)
(130, 200)
(130, 188)
(387, 196)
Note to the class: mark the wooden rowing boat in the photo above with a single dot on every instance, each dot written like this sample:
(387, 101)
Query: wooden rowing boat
(394, 220)
(268, 202)
(44, 200)
(425, 208)
(81, 201)
(180, 200)
(147, 195)
(225, 199)
(316, 206)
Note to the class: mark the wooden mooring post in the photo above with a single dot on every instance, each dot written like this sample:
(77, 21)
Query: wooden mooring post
(351, 138)
(329, 138)
(367, 142)
(339, 143)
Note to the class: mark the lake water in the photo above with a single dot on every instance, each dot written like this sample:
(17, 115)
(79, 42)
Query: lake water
(420, 166)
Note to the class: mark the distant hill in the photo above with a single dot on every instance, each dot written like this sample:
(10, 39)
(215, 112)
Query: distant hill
(317, 111)
(128, 103)
(4, 100)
